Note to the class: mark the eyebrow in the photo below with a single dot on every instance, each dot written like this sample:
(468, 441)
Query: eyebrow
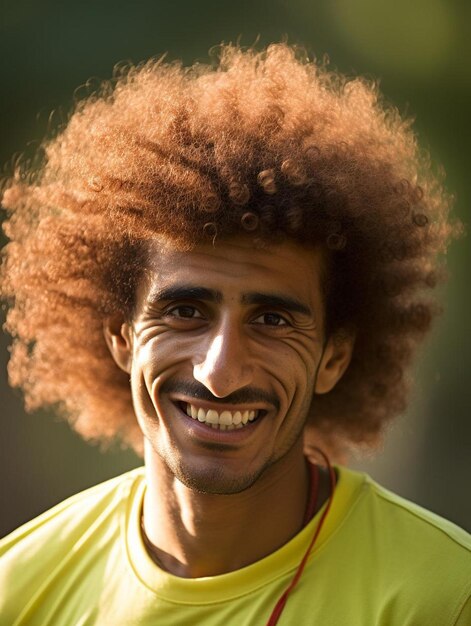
(186, 292)
(276, 300)
(190, 292)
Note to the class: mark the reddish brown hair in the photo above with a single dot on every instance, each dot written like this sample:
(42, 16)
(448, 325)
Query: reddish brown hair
(267, 143)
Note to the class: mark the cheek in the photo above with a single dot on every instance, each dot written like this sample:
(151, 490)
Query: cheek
(145, 368)
(147, 415)
(292, 368)
(156, 358)
(143, 406)
(153, 354)
(164, 346)
(146, 376)
(298, 352)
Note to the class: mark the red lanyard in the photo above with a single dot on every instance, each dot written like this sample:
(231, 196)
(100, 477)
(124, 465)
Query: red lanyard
(280, 605)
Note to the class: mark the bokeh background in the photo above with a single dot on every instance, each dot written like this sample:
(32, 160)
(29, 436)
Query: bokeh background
(418, 50)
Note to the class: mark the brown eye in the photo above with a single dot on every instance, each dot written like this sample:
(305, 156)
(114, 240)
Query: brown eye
(184, 312)
(271, 319)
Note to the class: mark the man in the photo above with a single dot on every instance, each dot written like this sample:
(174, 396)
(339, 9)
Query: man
(226, 268)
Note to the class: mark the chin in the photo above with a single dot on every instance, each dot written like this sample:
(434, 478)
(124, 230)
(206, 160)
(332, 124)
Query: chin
(215, 481)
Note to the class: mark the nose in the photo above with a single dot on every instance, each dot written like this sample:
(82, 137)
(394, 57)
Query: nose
(226, 363)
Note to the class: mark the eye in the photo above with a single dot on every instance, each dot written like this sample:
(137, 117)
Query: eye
(271, 319)
(184, 312)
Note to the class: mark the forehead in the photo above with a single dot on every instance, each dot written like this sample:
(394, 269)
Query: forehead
(234, 266)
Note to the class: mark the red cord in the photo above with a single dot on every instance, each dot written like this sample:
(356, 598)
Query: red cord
(280, 605)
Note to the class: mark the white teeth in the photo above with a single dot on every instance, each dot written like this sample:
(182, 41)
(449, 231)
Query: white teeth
(225, 418)
(224, 421)
(212, 417)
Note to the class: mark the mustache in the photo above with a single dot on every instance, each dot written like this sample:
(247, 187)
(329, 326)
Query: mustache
(246, 395)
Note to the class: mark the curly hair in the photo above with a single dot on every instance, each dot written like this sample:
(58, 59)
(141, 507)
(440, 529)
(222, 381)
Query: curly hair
(268, 143)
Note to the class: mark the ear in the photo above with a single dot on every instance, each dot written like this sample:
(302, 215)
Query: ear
(118, 337)
(335, 360)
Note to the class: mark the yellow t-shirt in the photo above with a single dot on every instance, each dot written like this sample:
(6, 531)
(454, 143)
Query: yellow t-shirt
(378, 561)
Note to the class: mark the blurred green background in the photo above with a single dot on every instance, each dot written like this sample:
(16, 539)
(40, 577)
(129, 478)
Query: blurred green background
(419, 50)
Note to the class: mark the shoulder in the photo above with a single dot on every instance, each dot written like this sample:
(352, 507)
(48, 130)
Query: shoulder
(420, 559)
(85, 524)
(396, 525)
(412, 521)
(75, 512)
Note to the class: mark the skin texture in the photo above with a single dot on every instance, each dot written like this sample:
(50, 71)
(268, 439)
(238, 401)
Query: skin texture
(235, 347)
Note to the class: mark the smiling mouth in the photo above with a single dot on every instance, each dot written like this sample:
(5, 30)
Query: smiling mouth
(223, 420)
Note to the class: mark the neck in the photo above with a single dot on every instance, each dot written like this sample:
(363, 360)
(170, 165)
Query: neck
(192, 534)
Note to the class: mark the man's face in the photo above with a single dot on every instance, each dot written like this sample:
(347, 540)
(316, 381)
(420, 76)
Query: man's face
(224, 351)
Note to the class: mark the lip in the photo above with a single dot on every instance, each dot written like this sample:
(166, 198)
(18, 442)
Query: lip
(200, 430)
